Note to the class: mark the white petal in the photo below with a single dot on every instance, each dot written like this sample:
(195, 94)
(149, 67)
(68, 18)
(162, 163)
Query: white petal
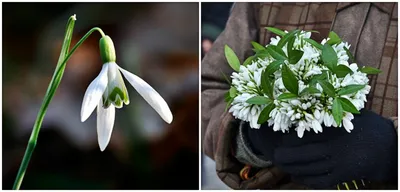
(105, 124)
(316, 126)
(300, 132)
(317, 114)
(321, 118)
(276, 126)
(347, 125)
(149, 94)
(94, 93)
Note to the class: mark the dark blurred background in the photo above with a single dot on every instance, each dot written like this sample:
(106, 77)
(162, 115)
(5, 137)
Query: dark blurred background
(156, 41)
(213, 20)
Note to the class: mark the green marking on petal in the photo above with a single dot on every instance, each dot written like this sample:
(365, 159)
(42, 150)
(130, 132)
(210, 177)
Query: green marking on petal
(117, 97)
(106, 102)
(116, 92)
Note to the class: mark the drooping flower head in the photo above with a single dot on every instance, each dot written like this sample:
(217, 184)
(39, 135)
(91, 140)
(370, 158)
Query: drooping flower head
(107, 92)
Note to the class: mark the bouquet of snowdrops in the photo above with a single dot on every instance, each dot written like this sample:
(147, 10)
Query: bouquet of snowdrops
(296, 82)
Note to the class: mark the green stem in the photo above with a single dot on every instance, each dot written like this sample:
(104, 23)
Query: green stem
(54, 83)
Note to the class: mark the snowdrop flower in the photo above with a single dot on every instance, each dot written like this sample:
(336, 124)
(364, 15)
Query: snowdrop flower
(301, 128)
(107, 92)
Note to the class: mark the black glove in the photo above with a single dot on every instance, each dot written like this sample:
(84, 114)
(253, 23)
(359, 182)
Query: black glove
(323, 160)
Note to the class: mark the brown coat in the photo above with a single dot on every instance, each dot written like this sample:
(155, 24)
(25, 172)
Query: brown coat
(371, 29)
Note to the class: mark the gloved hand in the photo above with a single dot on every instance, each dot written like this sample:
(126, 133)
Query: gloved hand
(323, 160)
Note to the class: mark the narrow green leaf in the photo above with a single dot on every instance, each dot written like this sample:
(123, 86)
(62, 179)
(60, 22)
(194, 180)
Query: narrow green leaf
(348, 106)
(232, 59)
(286, 96)
(225, 77)
(370, 70)
(276, 31)
(228, 104)
(257, 46)
(342, 71)
(267, 85)
(309, 90)
(314, 43)
(227, 96)
(290, 44)
(248, 60)
(295, 56)
(289, 80)
(351, 57)
(51, 89)
(276, 52)
(232, 92)
(327, 87)
(65, 48)
(329, 57)
(333, 38)
(337, 111)
(272, 67)
(264, 115)
(349, 89)
(258, 100)
(286, 38)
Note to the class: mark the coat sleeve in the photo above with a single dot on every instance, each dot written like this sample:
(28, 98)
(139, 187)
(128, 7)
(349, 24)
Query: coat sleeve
(219, 128)
(240, 30)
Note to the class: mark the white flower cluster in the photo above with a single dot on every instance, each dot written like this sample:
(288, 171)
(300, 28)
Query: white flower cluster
(306, 112)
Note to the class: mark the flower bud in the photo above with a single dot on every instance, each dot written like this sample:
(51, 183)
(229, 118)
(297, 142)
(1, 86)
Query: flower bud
(107, 50)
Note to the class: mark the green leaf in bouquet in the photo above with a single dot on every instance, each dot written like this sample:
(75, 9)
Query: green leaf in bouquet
(337, 111)
(329, 57)
(232, 92)
(286, 96)
(314, 43)
(290, 44)
(232, 59)
(267, 85)
(276, 31)
(349, 89)
(257, 46)
(227, 96)
(309, 90)
(264, 115)
(315, 78)
(370, 70)
(295, 56)
(274, 66)
(228, 104)
(333, 38)
(327, 87)
(258, 100)
(289, 80)
(276, 52)
(287, 37)
(342, 71)
(348, 106)
(248, 60)
(261, 54)
(351, 57)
